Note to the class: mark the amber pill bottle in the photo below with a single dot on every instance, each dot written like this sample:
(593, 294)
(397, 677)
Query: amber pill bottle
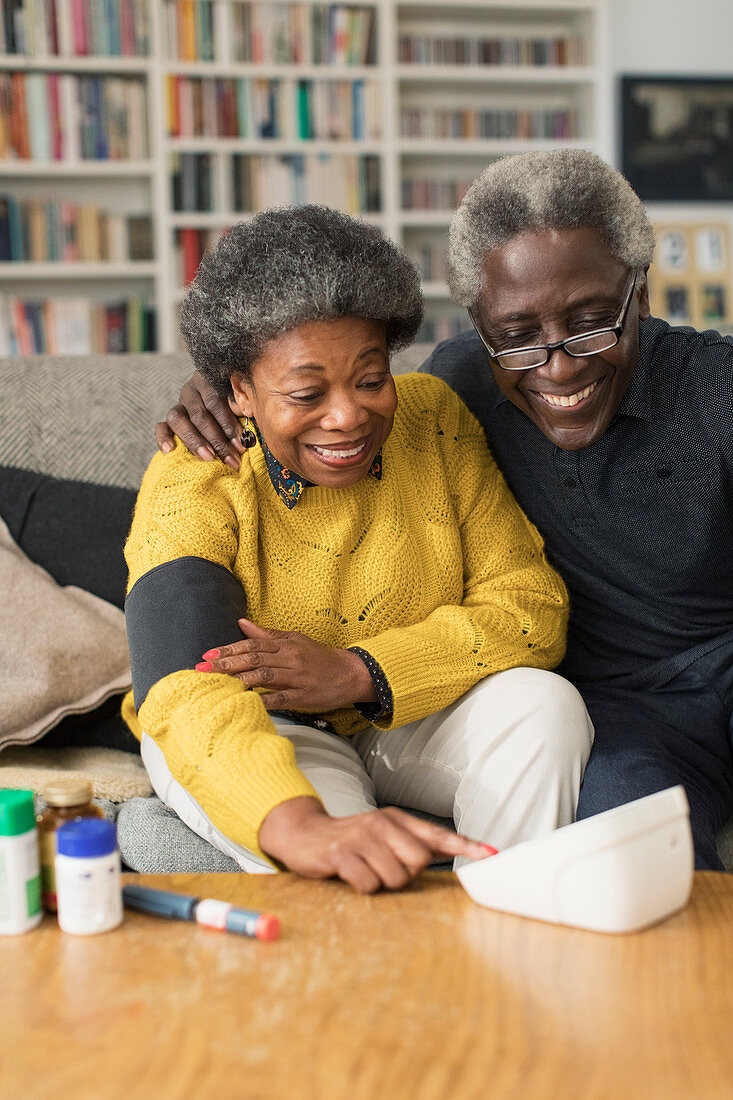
(66, 799)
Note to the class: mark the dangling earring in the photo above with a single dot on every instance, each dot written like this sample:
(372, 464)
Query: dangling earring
(248, 436)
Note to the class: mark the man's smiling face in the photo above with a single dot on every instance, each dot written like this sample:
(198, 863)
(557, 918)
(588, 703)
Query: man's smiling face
(546, 286)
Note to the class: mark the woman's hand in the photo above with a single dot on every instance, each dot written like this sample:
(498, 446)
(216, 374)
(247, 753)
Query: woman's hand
(384, 848)
(203, 422)
(300, 673)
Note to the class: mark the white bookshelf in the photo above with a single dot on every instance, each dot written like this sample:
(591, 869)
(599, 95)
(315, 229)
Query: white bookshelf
(584, 90)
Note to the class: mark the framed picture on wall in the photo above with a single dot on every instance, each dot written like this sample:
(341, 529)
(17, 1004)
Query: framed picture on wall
(690, 280)
(677, 138)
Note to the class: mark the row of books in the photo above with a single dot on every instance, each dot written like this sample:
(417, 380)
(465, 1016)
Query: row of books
(427, 194)
(429, 49)
(345, 182)
(271, 33)
(190, 175)
(321, 110)
(304, 34)
(74, 28)
(55, 116)
(349, 183)
(190, 30)
(75, 326)
(189, 246)
(431, 260)
(489, 124)
(39, 230)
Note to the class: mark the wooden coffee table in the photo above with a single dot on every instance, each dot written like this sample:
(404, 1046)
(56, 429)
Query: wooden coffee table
(419, 995)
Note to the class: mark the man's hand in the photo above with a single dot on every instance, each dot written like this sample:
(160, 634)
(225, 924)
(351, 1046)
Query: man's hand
(203, 422)
(300, 673)
(385, 848)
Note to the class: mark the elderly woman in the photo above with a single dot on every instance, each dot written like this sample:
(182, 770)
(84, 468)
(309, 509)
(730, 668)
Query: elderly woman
(360, 615)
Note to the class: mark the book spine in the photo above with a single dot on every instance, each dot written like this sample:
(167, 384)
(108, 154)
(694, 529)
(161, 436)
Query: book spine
(65, 29)
(23, 336)
(52, 30)
(243, 109)
(79, 26)
(70, 117)
(190, 251)
(188, 181)
(19, 35)
(188, 30)
(37, 102)
(5, 250)
(114, 36)
(15, 227)
(7, 336)
(54, 116)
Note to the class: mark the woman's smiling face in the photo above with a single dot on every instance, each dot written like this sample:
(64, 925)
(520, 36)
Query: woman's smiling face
(323, 398)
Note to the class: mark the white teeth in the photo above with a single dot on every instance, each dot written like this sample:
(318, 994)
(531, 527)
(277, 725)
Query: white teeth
(330, 453)
(573, 399)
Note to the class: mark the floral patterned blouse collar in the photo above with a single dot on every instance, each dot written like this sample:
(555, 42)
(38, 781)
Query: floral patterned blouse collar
(288, 485)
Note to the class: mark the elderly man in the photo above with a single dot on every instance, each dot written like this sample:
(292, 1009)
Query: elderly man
(615, 433)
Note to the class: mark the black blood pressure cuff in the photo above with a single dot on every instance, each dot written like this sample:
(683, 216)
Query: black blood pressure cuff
(175, 613)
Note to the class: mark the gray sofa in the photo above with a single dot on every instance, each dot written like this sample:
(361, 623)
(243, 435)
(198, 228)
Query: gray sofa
(75, 438)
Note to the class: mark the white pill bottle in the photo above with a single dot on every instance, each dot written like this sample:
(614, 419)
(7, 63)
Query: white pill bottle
(20, 879)
(88, 886)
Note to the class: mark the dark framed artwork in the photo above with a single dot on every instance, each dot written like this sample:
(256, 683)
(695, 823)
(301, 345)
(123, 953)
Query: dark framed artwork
(677, 138)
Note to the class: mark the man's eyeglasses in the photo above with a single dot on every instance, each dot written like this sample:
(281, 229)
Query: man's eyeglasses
(585, 343)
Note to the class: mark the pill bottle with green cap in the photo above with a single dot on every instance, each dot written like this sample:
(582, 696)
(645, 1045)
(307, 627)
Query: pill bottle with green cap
(20, 880)
(88, 884)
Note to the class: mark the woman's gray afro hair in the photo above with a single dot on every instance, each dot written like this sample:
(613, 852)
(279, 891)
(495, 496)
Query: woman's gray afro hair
(531, 192)
(286, 267)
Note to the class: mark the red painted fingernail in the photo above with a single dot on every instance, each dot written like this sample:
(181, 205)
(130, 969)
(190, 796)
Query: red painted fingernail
(204, 666)
(210, 654)
(489, 850)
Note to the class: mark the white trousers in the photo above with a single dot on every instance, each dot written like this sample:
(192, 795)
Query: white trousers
(505, 762)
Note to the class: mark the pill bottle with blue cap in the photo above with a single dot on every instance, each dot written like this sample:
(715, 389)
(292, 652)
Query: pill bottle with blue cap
(20, 880)
(88, 885)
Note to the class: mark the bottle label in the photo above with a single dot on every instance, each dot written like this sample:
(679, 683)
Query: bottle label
(89, 896)
(33, 895)
(47, 853)
(4, 891)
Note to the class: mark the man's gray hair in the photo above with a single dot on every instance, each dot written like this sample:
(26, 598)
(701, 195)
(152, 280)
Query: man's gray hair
(284, 268)
(531, 192)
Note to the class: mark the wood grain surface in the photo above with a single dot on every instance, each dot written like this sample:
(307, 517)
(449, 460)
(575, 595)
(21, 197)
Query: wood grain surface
(419, 994)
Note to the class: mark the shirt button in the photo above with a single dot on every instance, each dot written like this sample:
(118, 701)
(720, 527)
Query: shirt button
(570, 483)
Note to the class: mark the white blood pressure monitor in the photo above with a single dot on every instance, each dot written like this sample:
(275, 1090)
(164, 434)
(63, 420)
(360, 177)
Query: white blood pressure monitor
(620, 871)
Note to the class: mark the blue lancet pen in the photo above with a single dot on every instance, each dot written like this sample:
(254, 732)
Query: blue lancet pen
(206, 911)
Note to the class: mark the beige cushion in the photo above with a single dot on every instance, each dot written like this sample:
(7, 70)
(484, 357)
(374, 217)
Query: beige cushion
(113, 774)
(62, 650)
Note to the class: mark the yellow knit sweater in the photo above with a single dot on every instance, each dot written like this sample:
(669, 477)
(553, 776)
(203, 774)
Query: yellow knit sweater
(434, 571)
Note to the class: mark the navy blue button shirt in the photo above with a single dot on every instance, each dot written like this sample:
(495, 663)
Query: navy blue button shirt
(639, 524)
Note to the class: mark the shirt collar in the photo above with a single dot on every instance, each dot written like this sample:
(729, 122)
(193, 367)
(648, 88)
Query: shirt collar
(289, 486)
(637, 399)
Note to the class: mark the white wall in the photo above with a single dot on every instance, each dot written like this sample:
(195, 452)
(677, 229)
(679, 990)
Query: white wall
(668, 37)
